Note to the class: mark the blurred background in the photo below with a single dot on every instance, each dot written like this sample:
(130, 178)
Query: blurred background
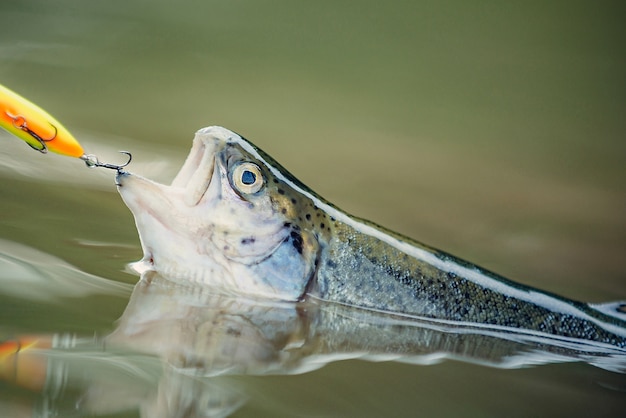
(492, 130)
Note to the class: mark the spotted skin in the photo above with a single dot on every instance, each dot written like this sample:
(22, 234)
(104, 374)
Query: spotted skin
(357, 269)
(354, 262)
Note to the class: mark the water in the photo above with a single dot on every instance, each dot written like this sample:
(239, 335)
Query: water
(494, 132)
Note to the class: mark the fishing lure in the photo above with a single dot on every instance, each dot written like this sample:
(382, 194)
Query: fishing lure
(35, 126)
(43, 132)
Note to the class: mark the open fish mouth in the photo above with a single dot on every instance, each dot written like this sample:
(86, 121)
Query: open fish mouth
(159, 209)
(188, 186)
(212, 226)
(195, 174)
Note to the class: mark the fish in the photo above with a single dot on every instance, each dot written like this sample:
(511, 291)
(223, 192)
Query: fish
(235, 220)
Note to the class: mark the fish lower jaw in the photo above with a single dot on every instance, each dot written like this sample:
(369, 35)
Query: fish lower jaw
(144, 265)
(196, 276)
(180, 264)
(211, 276)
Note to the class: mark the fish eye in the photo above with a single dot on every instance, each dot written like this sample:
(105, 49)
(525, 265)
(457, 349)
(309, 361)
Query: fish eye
(247, 178)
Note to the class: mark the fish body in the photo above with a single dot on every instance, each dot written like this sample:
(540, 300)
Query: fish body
(236, 220)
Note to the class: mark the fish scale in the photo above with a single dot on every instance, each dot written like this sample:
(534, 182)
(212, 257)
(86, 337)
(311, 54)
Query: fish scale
(321, 252)
(360, 270)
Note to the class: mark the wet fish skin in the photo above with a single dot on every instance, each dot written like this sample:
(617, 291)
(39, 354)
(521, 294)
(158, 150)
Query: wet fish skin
(200, 229)
(360, 271)
(357, 268)
(354, 262)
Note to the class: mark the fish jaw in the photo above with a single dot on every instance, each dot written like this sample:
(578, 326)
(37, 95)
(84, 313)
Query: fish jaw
(159, 209)
(152, 204)
(173, 221)
(198, 230)
(173, 243)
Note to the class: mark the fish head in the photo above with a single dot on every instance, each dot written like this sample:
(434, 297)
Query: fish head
(232, 218)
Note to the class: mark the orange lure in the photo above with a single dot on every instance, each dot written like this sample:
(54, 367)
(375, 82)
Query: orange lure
(32, 124)
(42, 132)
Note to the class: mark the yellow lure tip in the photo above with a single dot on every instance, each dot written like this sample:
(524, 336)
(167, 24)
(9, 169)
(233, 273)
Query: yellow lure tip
(34, 125)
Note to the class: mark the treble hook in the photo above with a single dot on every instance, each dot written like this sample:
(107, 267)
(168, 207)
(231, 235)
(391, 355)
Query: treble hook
(20, 122)
(92, 161)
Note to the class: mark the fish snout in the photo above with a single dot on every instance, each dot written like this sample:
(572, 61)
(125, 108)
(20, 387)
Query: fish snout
(145, 197)
(120, 178)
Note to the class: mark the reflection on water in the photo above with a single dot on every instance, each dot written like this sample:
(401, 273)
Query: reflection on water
(177, 351)
(492, 132)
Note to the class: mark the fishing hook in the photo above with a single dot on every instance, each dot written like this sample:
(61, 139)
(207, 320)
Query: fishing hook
(23, 125)
(92, 162)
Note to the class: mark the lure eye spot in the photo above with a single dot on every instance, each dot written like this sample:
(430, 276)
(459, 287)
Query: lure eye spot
(247, 178)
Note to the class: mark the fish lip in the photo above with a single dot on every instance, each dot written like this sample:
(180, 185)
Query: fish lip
(192, 180)
(196, 173)
(144, 196)
(190, 165)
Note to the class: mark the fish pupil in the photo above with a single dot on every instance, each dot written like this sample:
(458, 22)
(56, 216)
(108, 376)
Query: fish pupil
(248, 177)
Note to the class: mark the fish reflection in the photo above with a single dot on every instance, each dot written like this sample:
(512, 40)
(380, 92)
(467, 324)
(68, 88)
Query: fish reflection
(182, 350)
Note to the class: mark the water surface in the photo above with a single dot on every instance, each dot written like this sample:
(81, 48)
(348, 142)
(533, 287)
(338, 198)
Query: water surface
(494, 132)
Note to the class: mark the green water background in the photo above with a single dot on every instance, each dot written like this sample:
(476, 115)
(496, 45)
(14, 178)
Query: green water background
(492, 130)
